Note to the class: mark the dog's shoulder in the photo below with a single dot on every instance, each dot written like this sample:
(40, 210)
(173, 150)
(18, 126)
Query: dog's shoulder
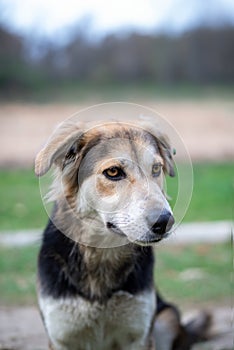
(55, 263)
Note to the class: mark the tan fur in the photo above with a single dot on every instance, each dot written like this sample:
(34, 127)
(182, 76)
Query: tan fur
(86, 202)
(104, 189)
(166, 329)
(51, 347)
(70, 131)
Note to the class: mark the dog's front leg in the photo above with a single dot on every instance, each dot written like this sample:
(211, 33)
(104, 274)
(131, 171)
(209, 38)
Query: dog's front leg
(166, 329)
(151, 344)
(51, 346)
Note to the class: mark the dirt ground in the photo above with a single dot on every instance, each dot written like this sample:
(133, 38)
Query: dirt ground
(206, 127)
(21, 329)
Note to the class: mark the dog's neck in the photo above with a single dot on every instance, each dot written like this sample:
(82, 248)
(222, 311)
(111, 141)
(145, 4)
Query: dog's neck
(100, 272)
(106, 269)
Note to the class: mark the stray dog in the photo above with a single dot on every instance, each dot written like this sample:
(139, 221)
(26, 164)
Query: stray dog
(95, 266)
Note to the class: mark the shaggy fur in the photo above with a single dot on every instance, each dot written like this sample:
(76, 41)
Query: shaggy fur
(95, 268)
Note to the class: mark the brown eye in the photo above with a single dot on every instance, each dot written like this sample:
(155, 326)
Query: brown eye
(114, 173)
(156, 169)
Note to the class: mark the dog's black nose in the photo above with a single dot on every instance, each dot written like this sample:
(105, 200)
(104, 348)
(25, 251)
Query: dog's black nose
(164, 223)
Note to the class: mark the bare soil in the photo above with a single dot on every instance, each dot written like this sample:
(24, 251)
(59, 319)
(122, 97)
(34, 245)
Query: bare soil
(206, 127)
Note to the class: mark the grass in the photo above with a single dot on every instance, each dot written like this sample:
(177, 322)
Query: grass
(18, 275)
(213, 192)
(22, 208)
(196, 273)
(211, 284)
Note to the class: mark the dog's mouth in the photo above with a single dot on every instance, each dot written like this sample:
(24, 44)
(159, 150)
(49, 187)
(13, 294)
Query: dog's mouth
(115, 228)
(149, 238)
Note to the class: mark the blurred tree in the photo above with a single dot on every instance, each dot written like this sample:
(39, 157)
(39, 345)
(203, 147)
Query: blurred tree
(201, 55)
(11, 57)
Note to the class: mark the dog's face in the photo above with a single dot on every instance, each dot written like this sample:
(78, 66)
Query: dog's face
(113, 180)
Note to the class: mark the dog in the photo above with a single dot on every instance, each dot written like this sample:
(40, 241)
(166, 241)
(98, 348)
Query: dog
(95, 266)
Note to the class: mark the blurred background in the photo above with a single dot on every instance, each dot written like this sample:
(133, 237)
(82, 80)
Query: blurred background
(175, 56)
(48, 45)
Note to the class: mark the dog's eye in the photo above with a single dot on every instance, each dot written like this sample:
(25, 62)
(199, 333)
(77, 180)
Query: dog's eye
(156, 169)
(114, 173)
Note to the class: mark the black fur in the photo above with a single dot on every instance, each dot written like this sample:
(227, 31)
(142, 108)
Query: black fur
(62, 270)
(162, 305)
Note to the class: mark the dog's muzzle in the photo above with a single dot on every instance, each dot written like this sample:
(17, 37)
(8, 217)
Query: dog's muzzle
(156, 232)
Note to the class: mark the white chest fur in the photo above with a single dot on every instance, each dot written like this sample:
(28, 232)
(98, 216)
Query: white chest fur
(121, 323)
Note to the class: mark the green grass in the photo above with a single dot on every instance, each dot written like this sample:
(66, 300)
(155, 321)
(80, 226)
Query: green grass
(18, 273)
(213, 192)
(211, 265)
(21, 206)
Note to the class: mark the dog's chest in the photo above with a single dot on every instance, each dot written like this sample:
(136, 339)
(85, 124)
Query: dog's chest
(122, 323)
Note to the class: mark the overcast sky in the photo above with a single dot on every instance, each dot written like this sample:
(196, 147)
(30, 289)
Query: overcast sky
(49, 17)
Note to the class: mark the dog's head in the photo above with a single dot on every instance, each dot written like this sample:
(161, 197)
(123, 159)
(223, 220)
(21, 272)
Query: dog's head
(112, 180)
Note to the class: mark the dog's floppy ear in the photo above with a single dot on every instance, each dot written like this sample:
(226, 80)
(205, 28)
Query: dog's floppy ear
(163, 143)
(59, 145)
(167, 153)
